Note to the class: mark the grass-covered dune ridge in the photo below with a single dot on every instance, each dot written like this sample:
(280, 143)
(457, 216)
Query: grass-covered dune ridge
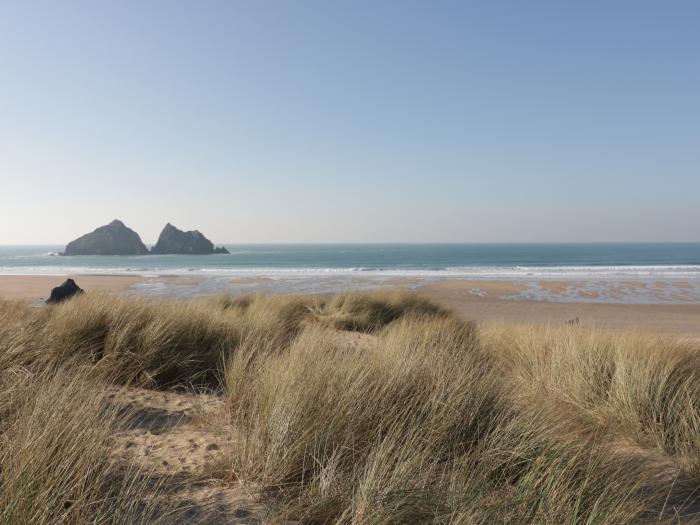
(356, 408)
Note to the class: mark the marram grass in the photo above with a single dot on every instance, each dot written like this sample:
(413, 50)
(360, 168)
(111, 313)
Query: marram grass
(358, 408)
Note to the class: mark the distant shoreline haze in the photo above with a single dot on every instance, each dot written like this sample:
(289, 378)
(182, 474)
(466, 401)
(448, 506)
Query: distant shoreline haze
(150, 244)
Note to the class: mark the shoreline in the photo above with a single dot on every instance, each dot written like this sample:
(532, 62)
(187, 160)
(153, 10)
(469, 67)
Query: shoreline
(485, 301)
(682, 320)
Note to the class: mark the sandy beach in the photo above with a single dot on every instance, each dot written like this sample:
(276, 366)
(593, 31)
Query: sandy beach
(678, 319)
(482, 301)
(35, 287)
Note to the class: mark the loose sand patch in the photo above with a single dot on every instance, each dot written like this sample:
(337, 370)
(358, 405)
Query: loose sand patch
(169, 438)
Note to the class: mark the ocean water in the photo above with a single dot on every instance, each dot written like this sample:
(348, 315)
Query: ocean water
(319, 268)
(457, 260)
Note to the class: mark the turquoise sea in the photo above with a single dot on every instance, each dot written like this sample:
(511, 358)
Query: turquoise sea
(314, 268)
(472, 260)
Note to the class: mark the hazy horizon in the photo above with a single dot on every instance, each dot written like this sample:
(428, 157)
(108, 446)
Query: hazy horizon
(316, 123)
(390, 243)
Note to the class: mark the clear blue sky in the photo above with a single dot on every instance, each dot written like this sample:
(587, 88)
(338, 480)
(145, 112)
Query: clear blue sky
(348, 121)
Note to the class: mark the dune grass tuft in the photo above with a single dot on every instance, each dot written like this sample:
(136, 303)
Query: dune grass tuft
(643, 388)
(365, 312)
(423, 426)
(357, 408)
(56, 429)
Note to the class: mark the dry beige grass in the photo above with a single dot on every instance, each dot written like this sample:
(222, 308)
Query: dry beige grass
(55, 433)
(642, 388)
(422, 418)
(429, 425)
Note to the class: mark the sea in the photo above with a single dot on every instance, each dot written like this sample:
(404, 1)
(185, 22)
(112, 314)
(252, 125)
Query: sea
(668, 272)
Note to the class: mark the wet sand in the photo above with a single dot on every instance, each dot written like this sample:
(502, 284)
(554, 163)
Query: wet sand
(182, 281)
(679, 319)
(250, 281)
(482, 301)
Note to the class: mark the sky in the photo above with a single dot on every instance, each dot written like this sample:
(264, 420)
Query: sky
(337, 121)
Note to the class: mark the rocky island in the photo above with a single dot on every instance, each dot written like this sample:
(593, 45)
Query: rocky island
(116, 238)
(113, 239)
(175, 241)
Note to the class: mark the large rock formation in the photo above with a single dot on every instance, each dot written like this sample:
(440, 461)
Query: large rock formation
(175, 241)
(113, 239)
(67, 290)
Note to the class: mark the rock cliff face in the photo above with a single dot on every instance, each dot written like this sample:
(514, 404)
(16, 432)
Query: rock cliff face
(175, 241)
(113, 239)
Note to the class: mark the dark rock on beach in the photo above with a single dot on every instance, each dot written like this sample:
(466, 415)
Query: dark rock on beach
(67, 290)
(175, 241)
(113, 239)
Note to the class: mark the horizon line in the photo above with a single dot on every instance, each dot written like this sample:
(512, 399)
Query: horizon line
(396, 243)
